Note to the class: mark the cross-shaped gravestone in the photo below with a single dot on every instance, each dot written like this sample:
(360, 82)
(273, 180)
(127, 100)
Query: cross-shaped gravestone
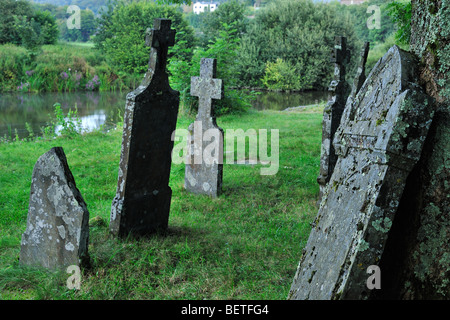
(142, 202)
(204, 165)
(333, 111)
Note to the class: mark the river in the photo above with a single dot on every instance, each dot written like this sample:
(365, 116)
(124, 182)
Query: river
(105, 109)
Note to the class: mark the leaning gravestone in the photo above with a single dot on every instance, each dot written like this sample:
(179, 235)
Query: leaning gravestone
(379, 141)
(58, 220)
(333, 111)
(142, 202)
(204, 167)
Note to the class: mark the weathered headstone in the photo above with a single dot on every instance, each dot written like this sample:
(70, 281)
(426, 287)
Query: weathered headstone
(379, 141)
(57, 230)
(142, 202)
(332, 113)
(204, 168)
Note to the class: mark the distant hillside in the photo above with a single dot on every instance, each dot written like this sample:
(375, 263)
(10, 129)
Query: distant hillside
(93, 5)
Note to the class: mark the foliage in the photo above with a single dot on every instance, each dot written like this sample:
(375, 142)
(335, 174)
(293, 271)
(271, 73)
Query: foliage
(67, 125)
(21, 25)
(122, 30)
(227, 13)
(280, 75)
(224, 50)
(400, 12)
(300, 33)
(60, 68)
(13, 61)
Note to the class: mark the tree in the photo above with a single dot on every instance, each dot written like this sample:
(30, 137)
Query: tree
(121, 33)
(8, 29)
(230, 12)
(20, 24)
(299, 32)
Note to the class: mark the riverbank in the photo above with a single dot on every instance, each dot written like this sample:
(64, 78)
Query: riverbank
(64, 67)
(246, 244)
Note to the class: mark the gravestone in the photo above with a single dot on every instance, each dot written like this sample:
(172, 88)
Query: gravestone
(333, 111)
(361, 72)
(379, 141)
(204, 167)
(57, 229)
(142, 202)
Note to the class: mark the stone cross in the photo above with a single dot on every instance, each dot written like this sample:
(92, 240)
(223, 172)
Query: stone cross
(57, 231)
(142, 202)
(333, 111)
(204, 167)
(379, 142)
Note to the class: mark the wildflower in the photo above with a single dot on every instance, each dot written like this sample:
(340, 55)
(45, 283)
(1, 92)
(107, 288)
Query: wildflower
(64, 75)
(29, 73)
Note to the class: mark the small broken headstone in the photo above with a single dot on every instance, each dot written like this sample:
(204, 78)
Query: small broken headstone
(57, 229)
(142, 202)
(204, 167)
(333, 111)
(379, 141)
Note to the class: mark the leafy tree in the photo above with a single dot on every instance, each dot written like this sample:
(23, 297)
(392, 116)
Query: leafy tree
(10, 9)
(226, 13)
(299, 32)
(20, 24)
(224, 49)
(122, 31)
(400, 12)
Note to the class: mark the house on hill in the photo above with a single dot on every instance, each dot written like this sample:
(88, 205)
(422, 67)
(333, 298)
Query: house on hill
(202, 6)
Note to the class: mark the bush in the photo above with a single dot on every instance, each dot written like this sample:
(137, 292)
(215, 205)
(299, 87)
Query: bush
(13, 61)
(299, 32)
(281, 75)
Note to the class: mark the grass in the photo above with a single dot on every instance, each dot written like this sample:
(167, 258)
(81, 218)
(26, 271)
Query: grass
(245, 244)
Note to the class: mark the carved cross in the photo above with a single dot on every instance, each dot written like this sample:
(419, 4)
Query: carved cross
(206, 87)
(160, 38)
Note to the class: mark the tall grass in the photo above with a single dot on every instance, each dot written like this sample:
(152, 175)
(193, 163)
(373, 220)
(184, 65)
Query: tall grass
(65, 67)
(245, 244)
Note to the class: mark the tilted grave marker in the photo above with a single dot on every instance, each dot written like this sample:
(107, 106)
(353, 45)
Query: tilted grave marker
(142, 202)
(57, 232)
(333, 112)
(204, 168)
(379, 141)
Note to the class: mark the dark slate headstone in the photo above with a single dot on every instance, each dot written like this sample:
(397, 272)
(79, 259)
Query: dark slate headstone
(142, 202)
(204, 168)
(57, 230)
(379, 141)
(332, 113)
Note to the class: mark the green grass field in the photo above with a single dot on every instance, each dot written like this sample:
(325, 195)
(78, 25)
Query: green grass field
(246, 244)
